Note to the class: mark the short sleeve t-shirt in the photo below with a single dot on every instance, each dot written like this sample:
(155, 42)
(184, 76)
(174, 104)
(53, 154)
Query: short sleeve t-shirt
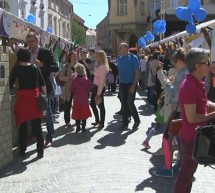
(127, 65)
(191, 92)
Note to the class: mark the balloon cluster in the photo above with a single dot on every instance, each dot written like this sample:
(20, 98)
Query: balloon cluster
(187, 13)
(159, 26)
(149, 37)
(30, 19)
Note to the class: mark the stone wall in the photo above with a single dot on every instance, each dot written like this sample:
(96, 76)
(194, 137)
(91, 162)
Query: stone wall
(6, 153)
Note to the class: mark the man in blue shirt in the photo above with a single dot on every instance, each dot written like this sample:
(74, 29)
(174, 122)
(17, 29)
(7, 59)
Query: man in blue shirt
(129, 75)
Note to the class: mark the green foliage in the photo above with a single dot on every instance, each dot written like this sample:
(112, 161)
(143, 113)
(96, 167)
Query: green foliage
(78, 34)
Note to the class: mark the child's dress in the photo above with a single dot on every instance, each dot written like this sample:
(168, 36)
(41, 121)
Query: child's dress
(81, 87)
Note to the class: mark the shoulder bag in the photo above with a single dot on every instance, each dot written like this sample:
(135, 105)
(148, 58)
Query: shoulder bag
(204, 148)
(174, 124)
(42, 99)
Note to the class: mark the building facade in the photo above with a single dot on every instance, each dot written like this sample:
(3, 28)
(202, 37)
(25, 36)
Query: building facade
(103, 34)
(128, 20)
(59, 17)
(91, 38)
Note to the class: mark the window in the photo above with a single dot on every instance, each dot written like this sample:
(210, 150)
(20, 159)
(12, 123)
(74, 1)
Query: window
(122, 7)
(154, 5)
(142, 8)
(173, 4)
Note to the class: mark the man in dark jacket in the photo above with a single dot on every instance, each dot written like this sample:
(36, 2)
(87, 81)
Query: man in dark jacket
(44, 59)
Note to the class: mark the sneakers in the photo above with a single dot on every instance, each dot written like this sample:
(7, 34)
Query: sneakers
(146, 145)
(136, 124)
(159, 152)
(176, 168)
(163, 173)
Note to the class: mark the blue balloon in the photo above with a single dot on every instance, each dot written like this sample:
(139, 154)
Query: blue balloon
(156, 31)
(186, 14)
(190, 28)
(49, 30)
(148, 34)
(146, 38)
(163, 23)
(158, 24)
(191, 21)
(178, 12)
(141, 43)
(194, 5)
(31, 18)
(152, 38)
(200, 15)
(162, 29)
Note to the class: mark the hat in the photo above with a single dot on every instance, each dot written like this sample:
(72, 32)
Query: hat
(80, 69)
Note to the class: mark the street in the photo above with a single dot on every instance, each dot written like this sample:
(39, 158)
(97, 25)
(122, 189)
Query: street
(97, 161)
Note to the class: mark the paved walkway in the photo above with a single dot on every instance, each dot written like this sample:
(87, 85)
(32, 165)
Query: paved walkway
(98, 161)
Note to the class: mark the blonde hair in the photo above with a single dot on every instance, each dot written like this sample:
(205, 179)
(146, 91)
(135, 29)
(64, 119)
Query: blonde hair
(102, 58)
(80, 69)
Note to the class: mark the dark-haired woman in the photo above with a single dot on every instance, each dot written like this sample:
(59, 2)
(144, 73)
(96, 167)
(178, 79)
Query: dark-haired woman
(26, 106)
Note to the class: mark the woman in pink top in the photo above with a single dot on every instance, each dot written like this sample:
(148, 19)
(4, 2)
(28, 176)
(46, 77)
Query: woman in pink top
(97, 99)
(193, 103)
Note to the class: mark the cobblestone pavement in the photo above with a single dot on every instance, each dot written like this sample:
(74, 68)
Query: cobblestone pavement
(98, 161)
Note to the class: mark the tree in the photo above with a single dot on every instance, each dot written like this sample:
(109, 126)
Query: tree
(78, 33)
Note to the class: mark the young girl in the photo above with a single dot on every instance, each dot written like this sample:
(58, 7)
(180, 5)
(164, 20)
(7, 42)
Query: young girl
(80, 87)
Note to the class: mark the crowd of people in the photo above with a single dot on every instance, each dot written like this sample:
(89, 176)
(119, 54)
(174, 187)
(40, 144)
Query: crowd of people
(172, 81)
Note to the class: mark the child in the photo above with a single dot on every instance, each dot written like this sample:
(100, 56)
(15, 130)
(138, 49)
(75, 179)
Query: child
(110, 81)
(80, 87)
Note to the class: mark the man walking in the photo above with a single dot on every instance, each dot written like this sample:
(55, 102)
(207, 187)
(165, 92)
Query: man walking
(44, 59)
(129, 75)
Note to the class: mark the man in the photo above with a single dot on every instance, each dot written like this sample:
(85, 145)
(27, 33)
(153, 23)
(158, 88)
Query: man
(129, 75)
(44, 59)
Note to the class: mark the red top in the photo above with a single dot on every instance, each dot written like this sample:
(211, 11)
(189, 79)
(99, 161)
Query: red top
(191, 92)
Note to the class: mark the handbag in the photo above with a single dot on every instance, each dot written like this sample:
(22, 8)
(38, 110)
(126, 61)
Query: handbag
(204, 147)
(57, 78)
(174, 124)
(42, 102)
(42, 99)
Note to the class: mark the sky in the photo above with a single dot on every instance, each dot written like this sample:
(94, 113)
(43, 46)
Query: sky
(92, 11)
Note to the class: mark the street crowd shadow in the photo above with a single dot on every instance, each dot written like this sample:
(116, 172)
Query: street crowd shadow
(62, 130)
(74, 138)
(116, 137)
(160, 185)
(18, 165)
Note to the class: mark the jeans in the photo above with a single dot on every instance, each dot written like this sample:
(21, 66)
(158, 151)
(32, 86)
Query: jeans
(49, 120)
(183, 182)
(127, 102)
(101, 106)
(67, 109)
(36, 127)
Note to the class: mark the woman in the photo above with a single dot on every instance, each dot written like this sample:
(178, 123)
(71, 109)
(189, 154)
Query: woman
(151, 82)
(67, 75)
(171, 86)
(26, 107)
(97, 98)
(193, 104)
